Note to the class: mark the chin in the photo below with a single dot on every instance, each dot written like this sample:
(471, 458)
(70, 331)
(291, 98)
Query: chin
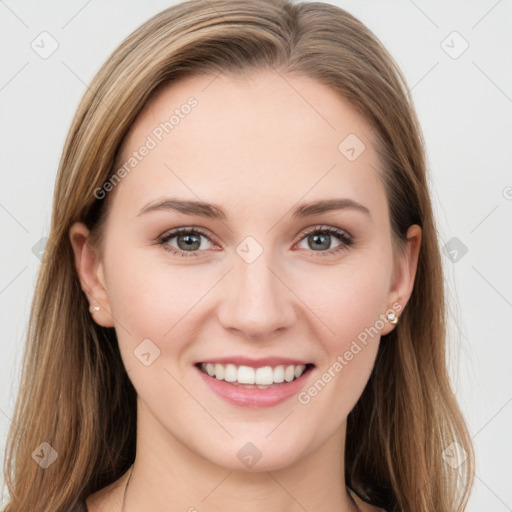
(256, 456)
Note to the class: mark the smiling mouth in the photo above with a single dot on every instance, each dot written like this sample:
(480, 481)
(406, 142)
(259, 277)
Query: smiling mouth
(264, 377)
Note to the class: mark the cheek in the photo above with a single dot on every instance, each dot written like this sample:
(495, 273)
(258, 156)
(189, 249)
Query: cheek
(353, 312)
(351, 300)
(150, 295)
(156, 307)
(356, 303)
(350, 297)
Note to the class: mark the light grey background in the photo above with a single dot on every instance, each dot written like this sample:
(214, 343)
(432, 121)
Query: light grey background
(464, 105)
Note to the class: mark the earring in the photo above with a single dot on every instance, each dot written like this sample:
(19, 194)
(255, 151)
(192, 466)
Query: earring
(93, 309)
(392, 318)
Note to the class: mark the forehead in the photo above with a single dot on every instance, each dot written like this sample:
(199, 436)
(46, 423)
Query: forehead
(248, 137)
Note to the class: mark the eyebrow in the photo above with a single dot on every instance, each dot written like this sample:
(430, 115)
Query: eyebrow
(214, 211)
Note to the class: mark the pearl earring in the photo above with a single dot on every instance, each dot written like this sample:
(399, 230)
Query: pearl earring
(93, 309)
(392, 318)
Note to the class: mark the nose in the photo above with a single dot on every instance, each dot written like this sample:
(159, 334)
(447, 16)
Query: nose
(258, 302)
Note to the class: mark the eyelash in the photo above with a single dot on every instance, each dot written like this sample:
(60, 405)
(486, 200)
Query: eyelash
(342, 236)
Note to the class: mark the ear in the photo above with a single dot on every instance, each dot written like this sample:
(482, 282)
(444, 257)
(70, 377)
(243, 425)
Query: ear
(90, 273)
(403, 275)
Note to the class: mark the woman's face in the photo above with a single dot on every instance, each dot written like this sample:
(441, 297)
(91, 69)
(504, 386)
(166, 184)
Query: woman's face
(254, 286)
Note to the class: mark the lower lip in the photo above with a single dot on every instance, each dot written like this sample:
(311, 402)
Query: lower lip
(255, 397)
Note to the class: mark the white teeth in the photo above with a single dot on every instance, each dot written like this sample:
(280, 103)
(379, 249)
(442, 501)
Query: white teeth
(264, 376)
(245, 375)
(299, 370)
(279, 374)
(231, 373)
(219, 371)
(260, 377)
(289, 373)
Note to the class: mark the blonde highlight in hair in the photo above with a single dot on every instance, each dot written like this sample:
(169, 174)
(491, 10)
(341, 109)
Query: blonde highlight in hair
(74, 391)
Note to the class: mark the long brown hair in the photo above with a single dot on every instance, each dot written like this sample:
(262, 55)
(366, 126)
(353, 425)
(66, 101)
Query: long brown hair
(74, 392)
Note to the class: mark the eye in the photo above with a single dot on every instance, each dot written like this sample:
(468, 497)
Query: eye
(189, 243)
(320, 238)
(187, 239)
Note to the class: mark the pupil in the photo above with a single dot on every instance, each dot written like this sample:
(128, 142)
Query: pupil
(324, 237)
(189, 241)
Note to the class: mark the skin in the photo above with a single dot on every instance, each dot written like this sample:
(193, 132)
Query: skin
(256, 145)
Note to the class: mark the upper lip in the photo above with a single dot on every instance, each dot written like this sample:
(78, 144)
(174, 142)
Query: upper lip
(255, 363)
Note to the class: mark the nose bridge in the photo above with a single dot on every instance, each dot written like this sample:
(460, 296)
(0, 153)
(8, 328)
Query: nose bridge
(257, 301)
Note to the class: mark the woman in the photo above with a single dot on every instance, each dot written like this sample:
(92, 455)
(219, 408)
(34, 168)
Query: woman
(241, 303)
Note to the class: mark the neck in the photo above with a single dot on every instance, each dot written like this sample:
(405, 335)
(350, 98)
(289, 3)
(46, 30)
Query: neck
(167, 474)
